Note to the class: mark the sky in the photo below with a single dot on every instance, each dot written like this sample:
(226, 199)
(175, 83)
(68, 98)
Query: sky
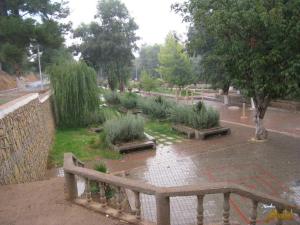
(154, 18)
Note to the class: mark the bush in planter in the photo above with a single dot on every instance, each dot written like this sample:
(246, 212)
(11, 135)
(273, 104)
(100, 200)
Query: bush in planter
(198, 117)
(157, 108)
(124, 129)
(129, 100)
(112, 97)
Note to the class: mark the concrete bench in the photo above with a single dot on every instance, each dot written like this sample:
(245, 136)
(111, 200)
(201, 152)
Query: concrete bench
(202, 134)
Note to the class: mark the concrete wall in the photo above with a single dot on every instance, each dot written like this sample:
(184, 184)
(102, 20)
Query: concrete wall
(26, 134)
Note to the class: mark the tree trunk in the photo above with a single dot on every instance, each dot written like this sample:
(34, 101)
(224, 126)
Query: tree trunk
(122, 86)
(225, 90)
(261, 105)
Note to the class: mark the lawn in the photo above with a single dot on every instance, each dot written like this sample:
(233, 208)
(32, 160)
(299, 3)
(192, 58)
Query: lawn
(84, 144)
(165, 90)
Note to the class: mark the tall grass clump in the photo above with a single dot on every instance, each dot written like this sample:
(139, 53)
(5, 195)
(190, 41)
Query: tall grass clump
(129, 100)
(112, 97)
(124, 129)
(157, 108)
(75, 93)
(198, 117)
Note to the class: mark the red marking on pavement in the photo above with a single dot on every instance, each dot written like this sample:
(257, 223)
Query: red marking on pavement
(239, 211)
(264, 171)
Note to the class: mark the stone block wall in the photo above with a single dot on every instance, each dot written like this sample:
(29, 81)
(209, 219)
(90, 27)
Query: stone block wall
(27, 130)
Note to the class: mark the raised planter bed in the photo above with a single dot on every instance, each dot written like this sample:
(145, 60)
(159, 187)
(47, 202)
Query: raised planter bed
(190, 132)
(148, 143)
(202, 134)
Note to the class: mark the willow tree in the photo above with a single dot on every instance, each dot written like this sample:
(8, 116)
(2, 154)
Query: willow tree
(260, 40)
(75, 93)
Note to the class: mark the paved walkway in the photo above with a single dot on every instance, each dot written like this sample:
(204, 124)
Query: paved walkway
(42, 203)
(271, 167)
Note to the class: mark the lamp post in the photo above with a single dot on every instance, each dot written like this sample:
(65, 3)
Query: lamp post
(40, 68)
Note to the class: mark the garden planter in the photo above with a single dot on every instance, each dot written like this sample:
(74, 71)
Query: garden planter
(147, 143)
(190, 132)
(202, 134)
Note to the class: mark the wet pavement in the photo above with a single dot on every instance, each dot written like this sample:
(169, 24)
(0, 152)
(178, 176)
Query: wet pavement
(271, 167)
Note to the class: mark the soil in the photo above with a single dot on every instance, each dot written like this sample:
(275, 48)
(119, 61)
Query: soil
(7, 81)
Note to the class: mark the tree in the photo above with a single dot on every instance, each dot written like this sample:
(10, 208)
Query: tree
(148, 59)
(147, 82)
(107, 43)
(175, 65)
(26, 24)
(75, 93)
(260, 41)
(213, 68)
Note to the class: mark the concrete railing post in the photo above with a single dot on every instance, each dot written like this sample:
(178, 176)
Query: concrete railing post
(71, 186)
(163, 210)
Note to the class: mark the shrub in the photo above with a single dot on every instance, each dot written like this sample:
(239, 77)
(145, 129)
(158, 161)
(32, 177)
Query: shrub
(157, 108)
(124, 129)
(129, 100)
(112, 97)
(198, 117)
(75, 93)
(107, 114)
(100, 167)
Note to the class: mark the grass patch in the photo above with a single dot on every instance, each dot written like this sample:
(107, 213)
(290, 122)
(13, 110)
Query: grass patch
(155, 127)
(83, 144)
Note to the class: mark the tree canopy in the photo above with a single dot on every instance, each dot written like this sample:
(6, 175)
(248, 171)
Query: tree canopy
(26, 24)
(259, 43)
(148, 59)
(175, 65)
(108, 42)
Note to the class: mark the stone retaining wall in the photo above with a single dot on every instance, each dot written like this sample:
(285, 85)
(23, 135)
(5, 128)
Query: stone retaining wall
(27, 130)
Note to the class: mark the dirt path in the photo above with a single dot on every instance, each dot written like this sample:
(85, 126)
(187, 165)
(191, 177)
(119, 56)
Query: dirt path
(42, 203)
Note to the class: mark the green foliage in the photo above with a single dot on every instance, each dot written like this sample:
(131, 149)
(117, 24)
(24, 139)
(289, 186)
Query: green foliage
(26, 24)
(75, 93)
(108, 42)
(108, 114)
(124, 129)
(199, 117)
(148, 60)
(147, 83)
(100, 167)
(112, 97)
(129, 100)
(175, 65)
(157, 108)
(256, 42)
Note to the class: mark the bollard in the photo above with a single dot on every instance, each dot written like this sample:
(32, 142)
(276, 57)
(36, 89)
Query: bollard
(244, 112)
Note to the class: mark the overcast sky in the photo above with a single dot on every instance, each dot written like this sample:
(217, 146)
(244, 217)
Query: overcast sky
(154, 17)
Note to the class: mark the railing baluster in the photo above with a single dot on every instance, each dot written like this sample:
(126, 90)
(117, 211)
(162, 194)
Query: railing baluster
(119, 200)
(279, 210)
(137, 203)
(226, 209)
(253, 216)
(200, 210)
(102, 194)
(71, 186)
(88, 190)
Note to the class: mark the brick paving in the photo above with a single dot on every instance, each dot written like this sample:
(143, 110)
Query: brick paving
(271, 167)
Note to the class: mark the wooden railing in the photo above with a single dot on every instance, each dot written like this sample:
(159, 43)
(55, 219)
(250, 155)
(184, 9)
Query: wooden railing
(74, 168)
